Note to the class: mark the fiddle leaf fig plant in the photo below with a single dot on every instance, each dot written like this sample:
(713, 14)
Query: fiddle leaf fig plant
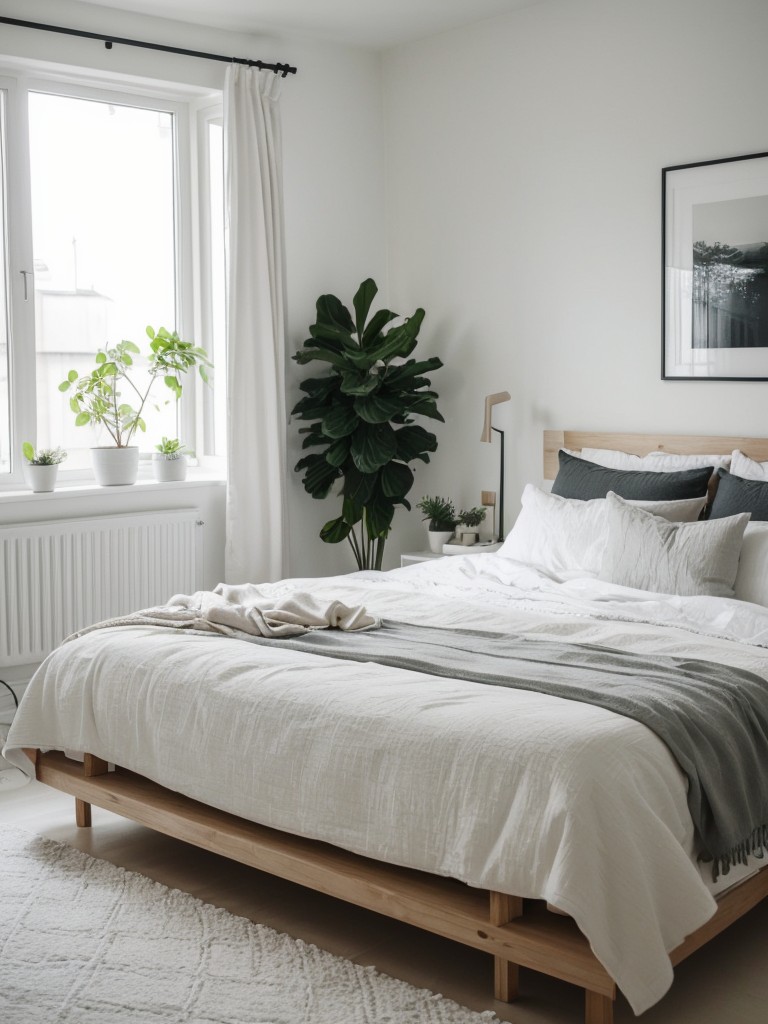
(360, 414)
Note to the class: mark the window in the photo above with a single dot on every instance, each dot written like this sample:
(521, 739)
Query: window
(5, 413)
(103, 244)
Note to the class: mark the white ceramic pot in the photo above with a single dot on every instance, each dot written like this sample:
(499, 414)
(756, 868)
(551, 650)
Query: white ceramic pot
(437, 538)
(40, 478)
(114, 466)
(167, 470)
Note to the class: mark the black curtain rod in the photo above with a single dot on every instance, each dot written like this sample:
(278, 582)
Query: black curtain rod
(279, 69)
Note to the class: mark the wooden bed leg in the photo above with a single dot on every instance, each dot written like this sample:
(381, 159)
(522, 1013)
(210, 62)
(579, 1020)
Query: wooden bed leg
(92, 765)
(598, 1008)
(505, 974)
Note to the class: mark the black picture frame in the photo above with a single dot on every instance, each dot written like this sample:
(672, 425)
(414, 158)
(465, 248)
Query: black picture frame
(714, 265)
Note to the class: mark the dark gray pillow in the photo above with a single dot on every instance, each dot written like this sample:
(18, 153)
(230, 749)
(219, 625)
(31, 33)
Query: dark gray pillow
(734, 494)
(578, 478)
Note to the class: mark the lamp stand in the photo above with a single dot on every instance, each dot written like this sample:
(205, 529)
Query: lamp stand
(501, 482)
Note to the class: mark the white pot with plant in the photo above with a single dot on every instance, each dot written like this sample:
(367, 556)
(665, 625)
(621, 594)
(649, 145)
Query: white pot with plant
(113, 396)
(442, 520)
(169, 462)
(41, 467)
(468, 525)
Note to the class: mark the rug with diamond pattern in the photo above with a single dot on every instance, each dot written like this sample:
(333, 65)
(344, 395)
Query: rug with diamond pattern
(85, 942)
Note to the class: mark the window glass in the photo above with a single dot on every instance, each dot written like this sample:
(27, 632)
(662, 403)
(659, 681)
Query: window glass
(5, 418)
(103, 222)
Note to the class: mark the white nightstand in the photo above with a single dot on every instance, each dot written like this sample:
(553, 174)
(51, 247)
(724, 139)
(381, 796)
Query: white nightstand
(411, 557)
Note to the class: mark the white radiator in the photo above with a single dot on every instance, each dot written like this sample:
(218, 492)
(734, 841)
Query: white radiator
(57, 577)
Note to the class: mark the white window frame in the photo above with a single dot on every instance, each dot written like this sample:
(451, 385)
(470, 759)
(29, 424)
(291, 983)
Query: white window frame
(189, 261)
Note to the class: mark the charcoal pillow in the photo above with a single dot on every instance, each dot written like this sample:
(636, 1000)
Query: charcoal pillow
(734, 495)
(578, 478)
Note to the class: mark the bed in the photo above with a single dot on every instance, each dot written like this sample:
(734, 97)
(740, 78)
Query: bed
(553, 834)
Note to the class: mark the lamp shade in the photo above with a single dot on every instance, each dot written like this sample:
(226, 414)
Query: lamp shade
(490, 401)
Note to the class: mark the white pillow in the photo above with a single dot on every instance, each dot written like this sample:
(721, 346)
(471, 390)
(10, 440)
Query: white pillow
(656, 462)
(561, 536)
(748, 469)
(646, 552)
(752, 577)
(565, 537)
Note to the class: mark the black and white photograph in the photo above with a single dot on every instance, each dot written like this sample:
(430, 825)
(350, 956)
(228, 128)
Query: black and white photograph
(716, 270)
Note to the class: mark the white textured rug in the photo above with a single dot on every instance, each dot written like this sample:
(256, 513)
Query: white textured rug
(85, 942)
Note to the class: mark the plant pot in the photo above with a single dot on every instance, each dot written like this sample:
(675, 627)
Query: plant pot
(40, 478)
(437, 538)
(115, 466)
(167, 470)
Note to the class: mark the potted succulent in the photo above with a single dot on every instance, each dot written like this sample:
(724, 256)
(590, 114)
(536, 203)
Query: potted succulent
(103, 397)
(360, 412)
(442, 520)
(41, 467)
(169, 462)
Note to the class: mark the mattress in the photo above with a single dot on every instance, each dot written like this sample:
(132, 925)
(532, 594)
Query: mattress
(500, 788)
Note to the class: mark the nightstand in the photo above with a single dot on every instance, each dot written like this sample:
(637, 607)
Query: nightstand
(411, 557)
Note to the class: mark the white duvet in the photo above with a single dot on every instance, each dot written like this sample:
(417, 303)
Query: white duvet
(504, 789)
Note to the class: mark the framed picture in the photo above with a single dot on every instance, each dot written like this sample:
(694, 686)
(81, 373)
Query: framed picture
(715, 269)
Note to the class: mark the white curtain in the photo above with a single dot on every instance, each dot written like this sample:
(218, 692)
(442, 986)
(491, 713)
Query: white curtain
(256, 522)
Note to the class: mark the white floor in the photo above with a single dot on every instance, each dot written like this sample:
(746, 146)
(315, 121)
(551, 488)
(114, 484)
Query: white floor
(725, 983)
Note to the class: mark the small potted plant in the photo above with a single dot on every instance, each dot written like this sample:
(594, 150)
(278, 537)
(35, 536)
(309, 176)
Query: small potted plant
(103, 397)
(468, 521)
(41, 467)
(169, 462)
(442, 520)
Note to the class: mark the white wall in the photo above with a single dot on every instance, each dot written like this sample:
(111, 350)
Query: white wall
(525, 216)
(333, 158)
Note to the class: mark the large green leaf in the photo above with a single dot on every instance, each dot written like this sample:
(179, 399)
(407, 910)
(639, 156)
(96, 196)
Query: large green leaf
(307, 355)
(338, 453)
(335, 531)
(424, 405)
(312, 408)
(319, 474)
(358, 487)
(334, 313)
(378, 407)
(378, 517)
(340, 421)
(379, 321)
(365, 295)
(413, 442)
(320, 386)
(396, 479)
(359, 382)
(327, 332)
(400, 340)
(351, 512)
(373, 445)
(404, 373)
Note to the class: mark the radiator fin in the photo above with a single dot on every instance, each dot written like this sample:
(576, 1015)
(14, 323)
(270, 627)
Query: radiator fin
(58, 577)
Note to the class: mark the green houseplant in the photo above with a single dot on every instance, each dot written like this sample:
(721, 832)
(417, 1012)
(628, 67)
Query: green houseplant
(113, 396)
(169, 460)
(361, 417)
(41, 467)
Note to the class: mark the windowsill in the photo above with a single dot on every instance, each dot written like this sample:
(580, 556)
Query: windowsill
(90, 489)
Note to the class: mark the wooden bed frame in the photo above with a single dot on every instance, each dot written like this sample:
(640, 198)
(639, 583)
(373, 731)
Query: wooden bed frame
(516, 933)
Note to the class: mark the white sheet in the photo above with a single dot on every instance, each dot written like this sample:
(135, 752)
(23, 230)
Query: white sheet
(503, 789)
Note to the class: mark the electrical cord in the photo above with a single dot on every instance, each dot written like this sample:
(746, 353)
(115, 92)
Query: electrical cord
(11, 691)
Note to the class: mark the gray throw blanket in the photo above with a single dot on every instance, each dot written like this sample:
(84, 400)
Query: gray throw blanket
(713, 718)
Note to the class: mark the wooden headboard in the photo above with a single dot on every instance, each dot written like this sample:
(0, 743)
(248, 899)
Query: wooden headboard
(643, 444)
